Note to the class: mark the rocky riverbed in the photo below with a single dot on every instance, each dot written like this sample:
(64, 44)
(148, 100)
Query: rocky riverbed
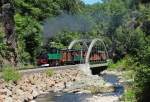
(104, 88)
(69, 81)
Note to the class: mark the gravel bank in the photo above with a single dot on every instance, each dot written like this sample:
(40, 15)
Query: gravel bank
(68, 80)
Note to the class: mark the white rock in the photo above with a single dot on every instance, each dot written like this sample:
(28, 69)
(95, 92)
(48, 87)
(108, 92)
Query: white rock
(33, 101)
(8, 99)
(35, 93)
(30, 96)
(9, 93)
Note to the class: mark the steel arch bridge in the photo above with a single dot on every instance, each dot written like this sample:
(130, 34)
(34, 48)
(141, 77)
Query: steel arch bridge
(94, 49)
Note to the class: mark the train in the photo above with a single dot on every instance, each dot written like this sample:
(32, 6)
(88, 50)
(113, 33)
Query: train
(60, 57)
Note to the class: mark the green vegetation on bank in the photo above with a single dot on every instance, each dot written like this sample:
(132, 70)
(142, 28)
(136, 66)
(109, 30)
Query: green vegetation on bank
(126, 63)
(10, 74)
(137, 76)
(129, 96)
(128, 67)
(49, 72)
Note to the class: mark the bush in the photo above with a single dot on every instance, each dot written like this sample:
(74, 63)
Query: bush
(49, 72)
(142, 83)
(10, 74)
(125, 63)
(119, 64)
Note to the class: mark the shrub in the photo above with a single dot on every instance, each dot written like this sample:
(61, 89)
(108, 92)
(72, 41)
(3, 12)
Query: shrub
(142, 83)
(49, 72)
(119, 64)
(10, 74)
(125, 63)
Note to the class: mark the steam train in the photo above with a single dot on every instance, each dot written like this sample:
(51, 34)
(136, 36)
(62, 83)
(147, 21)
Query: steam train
(59, 57)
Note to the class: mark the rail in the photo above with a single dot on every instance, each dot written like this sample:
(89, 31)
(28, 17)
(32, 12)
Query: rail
(42, 69)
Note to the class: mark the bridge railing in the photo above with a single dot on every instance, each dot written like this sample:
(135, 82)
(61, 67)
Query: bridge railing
(95, 52)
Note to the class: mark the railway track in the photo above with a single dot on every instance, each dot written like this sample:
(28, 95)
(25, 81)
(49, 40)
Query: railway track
(41, 69)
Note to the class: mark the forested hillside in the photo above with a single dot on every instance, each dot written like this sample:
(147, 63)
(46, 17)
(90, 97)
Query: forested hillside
(28, 25)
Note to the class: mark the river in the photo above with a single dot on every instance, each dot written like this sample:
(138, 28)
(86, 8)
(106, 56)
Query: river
(87, 97)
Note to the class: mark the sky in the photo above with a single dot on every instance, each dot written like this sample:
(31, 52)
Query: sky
(91, 1)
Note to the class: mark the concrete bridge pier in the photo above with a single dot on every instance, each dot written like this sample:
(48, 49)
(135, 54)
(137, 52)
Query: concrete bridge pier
(85, 68)
(89, 70)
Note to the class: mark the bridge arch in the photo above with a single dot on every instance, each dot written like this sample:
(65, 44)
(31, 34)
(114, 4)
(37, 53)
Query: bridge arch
(94, 41)
(83, 41)
(89, 45)
(92, 46)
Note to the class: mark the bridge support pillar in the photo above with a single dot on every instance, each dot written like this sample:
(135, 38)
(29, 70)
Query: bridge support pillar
(85, 68)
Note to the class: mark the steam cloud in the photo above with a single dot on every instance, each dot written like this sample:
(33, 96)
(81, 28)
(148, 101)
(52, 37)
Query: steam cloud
(73, 23)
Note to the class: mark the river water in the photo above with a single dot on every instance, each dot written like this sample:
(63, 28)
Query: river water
(63, 97)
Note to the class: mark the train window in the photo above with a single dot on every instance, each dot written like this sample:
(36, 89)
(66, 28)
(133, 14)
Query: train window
(53, 50)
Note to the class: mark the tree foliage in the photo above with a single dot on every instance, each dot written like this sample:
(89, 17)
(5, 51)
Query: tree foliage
(29, 18)
(123, 24)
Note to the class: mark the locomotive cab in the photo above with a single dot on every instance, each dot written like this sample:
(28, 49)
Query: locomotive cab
(54, 56)
(42, 59)
(49, 58)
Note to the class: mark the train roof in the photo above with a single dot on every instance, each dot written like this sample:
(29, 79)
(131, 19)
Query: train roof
(72, 50)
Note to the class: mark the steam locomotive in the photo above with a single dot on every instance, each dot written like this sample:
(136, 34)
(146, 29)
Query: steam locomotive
(59, 57)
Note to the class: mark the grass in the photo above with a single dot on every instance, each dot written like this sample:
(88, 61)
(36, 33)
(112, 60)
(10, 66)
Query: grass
(119, 65)
(129, 75)
(21, 67)
(129, 96)
(24, 67)
(10, 74)
(49, 72)
(94, 90)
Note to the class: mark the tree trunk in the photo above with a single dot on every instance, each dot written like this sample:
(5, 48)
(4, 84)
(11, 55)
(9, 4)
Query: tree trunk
(8, 12)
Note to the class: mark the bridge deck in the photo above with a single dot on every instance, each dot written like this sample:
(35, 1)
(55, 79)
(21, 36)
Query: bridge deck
(99, 65)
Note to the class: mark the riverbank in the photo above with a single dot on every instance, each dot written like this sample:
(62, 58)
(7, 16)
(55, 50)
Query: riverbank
(104, 88)
(34, 84)
(67, 81)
